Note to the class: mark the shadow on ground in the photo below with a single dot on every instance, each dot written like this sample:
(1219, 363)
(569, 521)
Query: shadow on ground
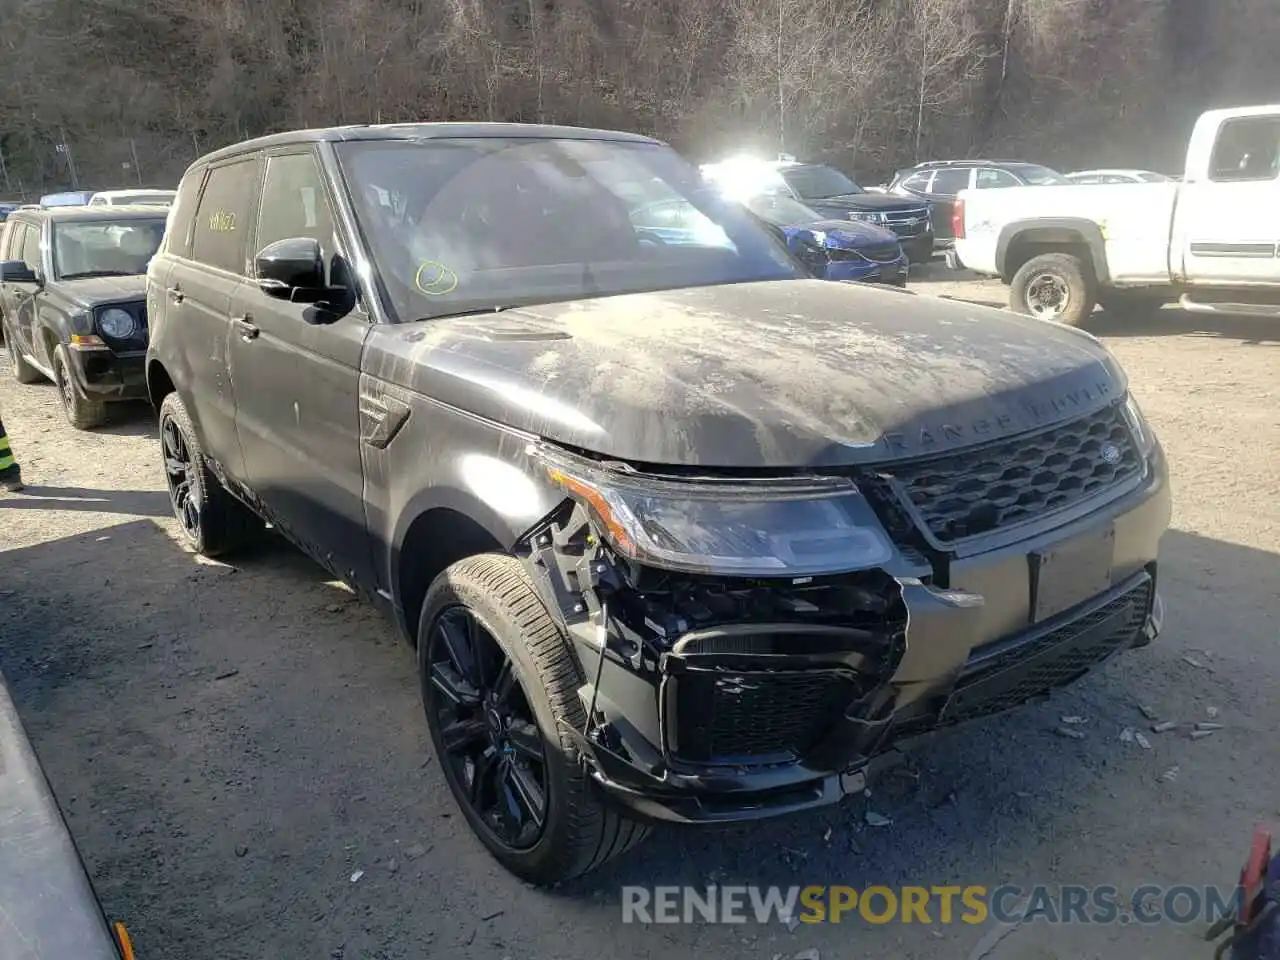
(138, 503)
(234, 744)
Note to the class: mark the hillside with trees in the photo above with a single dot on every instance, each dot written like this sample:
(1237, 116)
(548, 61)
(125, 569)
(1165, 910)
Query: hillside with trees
(124, 91)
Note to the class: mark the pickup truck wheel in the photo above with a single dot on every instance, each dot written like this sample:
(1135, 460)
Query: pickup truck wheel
(498, 680)
(213, 522)
(22, 371)
(1054, 286)
(82, 413)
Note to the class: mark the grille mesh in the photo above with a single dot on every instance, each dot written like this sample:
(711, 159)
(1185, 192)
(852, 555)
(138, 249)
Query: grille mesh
(1057, 659)
(752, 715)
(977, 491)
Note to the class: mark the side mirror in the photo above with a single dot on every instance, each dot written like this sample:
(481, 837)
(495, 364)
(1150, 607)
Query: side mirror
(291, 268)
(16, 271)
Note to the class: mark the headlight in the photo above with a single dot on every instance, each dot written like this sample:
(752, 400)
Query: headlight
(117, 324)
(1142, 433)
(788, 527)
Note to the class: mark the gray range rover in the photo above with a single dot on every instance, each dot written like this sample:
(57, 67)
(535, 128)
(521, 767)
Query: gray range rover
(678, 532)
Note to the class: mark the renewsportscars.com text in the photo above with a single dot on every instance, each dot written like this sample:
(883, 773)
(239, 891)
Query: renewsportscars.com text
(972, 904)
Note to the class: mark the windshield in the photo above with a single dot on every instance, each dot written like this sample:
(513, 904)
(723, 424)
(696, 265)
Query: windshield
(1037, 176)
(104, 248)
(459, 226)
(781, 211)
(818, 183)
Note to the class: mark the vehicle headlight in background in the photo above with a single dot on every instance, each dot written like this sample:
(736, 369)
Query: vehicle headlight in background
(788, 527)
(117, 324)
(1142, 433)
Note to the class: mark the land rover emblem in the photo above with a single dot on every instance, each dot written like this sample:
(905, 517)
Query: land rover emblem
(1110, 453)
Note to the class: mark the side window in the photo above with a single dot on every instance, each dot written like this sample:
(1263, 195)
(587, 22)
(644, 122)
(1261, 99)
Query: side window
(1248, 148)
(919, 182)
(294, 203)
(223, 218)
(177, 236)
(991, 177)
(949, 182)
(1091, 179)
(31, 249)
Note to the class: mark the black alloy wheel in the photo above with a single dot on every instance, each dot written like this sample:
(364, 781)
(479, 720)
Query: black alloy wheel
(180, 472)
(491, 740)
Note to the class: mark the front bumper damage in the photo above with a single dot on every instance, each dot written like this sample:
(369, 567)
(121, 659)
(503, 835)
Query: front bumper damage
(722, 700)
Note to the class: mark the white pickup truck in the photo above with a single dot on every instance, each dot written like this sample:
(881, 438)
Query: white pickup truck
(1210, 242)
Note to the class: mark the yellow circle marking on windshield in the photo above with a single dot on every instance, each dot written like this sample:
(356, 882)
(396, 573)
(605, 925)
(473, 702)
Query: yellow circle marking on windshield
(435, 279)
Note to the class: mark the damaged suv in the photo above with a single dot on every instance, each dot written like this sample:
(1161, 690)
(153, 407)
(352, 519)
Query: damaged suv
(678, 532)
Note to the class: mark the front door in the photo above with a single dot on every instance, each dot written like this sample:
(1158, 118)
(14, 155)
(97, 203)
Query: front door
(1227, 221)
(297, 386)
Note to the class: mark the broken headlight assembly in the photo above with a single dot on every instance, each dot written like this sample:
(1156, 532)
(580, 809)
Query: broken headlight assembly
(777, 527)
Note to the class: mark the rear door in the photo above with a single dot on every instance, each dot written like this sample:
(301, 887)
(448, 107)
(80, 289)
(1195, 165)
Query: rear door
(297, 383)
(199, 292)
(1227, 222)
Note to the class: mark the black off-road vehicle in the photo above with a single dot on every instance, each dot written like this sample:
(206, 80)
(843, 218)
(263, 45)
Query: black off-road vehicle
(72, 291)
(678, 532)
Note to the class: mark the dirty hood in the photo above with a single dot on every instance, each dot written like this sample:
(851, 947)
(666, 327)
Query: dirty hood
(91, 291)
(797, 373)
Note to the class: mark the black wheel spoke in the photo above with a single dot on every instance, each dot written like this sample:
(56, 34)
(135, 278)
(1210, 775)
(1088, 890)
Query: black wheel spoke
(175, 466)
(483, 775)
(457, 644)
(446, 679)
(462, 736)
(504, 684)
(525, 740)
(527, 792)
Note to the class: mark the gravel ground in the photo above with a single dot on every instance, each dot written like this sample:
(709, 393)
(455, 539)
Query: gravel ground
(234, 745)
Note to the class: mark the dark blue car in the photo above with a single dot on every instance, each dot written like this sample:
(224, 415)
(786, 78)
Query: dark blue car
(834, 249)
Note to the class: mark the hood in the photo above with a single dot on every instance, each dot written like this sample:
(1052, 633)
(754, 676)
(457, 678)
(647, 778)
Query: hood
(865, 201)
(91, 291)
(846, 234)
(787, 373)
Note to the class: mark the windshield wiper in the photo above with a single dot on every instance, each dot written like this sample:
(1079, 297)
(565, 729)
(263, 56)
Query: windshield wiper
(473, 312)
(87, 274)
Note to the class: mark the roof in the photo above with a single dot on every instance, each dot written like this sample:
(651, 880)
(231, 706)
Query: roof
(136, 192)
(82, 214)
(978, 162)
(1124, 171)
(425, 131)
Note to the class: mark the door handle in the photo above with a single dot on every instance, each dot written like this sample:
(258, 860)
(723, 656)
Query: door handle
(248, 331)
(176, 294)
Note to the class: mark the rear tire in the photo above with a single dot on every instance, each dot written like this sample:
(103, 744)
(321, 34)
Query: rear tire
(22, 371)
(82, 413)
(213, 522)
(578, 832)
(1054, 286)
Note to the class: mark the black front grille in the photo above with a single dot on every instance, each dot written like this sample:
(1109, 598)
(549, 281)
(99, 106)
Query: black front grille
(725, 716)
(976, 491)
(881, 252)
(1006, 673)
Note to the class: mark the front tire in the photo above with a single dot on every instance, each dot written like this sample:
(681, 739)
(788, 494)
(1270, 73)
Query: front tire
(213, 522)
(81, 412)
(1054, 286)
(498, 680)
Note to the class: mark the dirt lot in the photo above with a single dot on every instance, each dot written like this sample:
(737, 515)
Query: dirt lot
(233, 744)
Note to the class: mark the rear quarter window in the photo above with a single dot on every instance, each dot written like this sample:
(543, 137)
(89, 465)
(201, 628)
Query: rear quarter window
(224, 218)
(182, 215)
